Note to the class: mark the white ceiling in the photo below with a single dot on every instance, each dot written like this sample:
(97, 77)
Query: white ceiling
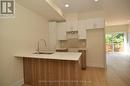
(43, 8)
(79, 5)
(116, 11)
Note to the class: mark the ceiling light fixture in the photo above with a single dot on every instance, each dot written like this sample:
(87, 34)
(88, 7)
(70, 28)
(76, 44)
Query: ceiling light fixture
(96, 0)
(66, 5)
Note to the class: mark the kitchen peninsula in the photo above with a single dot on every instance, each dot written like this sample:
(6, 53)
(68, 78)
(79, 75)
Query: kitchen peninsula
(57, 69)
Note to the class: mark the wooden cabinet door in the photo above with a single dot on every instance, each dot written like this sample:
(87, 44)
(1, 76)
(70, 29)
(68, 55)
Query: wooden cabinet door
(83, 59)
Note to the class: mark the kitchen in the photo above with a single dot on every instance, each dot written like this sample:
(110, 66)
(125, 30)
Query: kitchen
(67, 47)
(20, 36)
(43, 46)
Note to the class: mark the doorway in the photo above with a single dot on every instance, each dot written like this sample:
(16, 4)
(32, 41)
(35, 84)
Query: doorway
(115, 42)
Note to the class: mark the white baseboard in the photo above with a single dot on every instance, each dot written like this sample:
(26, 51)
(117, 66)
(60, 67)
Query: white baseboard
(96, 66)
(19, 83)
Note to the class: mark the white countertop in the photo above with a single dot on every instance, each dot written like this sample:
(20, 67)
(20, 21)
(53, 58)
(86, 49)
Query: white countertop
(71, 56)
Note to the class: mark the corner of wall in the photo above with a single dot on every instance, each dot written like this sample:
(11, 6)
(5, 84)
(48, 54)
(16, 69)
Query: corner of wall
(18, 83)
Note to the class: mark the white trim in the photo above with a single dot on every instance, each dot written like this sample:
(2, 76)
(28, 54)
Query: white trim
(96, 66)
(18, 83)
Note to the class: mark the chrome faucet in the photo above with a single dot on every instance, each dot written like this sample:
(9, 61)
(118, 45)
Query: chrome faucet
(38, 45)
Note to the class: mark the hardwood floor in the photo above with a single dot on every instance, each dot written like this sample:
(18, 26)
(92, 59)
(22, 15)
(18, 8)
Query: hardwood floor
(118, 71)
(116, 74)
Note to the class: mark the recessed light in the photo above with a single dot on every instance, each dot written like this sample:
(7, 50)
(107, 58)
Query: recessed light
(96, 0)
(67, 5)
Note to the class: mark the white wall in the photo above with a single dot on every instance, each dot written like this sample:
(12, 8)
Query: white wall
(129, 28)
(19, 34)
(116, 28)
(129, 38)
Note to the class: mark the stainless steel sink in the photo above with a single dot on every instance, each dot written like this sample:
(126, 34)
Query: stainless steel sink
(44, 52)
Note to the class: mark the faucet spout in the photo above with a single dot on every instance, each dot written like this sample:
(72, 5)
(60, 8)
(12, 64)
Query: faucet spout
(38, 45)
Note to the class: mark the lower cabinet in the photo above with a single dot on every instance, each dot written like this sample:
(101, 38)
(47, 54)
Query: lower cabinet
(45, 72)
(83, 56)
(83, 59)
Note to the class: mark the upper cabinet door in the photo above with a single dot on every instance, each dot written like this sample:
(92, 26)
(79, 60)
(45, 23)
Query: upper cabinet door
(80, 26)
(52, 35)
(99, 23)
(82, 29)
(90, 24)
(61, 31)
(72, 25)
(95, 23)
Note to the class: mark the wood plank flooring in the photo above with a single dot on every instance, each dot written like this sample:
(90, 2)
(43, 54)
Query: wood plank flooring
(118, 71)
(116, 74)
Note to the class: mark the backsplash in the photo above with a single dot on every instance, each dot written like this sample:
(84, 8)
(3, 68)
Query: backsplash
(73, 43)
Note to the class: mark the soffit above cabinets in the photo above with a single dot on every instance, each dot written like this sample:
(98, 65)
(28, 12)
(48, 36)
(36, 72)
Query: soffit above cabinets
(45, 8)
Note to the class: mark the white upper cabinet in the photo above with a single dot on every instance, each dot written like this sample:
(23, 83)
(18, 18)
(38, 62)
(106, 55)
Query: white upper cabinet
(61, 31)
(82, 29)
(99, 23)
(90, 24)
(52, 35)
(81, 26)
(72, 25)
(95, 23)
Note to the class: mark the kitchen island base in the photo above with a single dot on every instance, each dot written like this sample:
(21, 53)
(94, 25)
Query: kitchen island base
(48, 72)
